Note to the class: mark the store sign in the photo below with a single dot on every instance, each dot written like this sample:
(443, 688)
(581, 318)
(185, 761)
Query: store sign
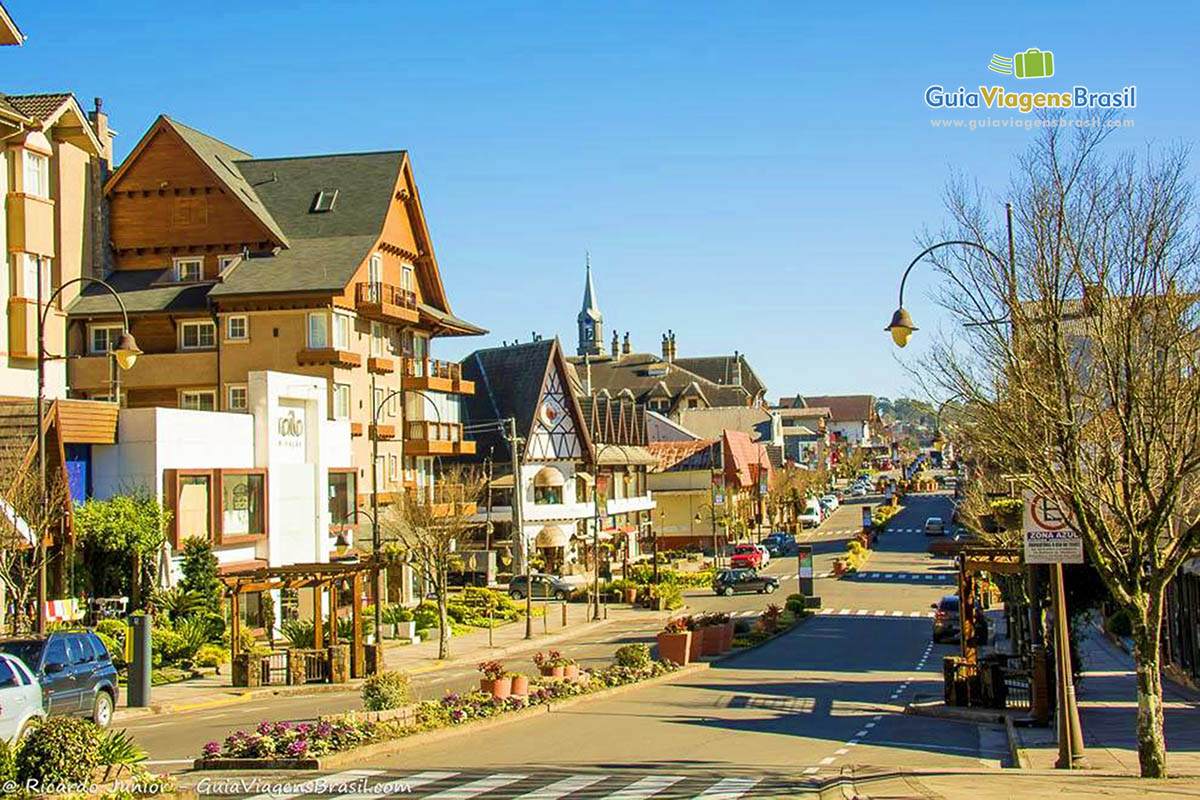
(288, 429)
(718, 489)
(866, 517)
(1049, 538)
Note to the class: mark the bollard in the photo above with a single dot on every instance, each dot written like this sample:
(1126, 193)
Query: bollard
(564, 614)
(137, 694)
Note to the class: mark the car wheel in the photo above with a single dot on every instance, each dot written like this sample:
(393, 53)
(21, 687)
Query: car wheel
(728, 591)
(27, 729)
(560, 596)
(770, 587)
(516, 594)
(102, 709)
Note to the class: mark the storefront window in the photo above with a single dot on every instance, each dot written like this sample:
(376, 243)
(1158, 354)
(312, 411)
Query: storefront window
(193, 506)
(342, 496)
(242, 499)
(547, 495)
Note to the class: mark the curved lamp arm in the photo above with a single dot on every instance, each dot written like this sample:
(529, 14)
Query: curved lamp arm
(902, 326)
(85, 279)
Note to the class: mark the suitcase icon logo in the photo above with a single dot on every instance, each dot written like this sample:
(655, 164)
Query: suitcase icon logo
(1033, 63)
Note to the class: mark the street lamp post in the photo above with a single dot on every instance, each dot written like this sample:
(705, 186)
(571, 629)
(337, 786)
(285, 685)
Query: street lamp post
(125, 355)
(596, 529)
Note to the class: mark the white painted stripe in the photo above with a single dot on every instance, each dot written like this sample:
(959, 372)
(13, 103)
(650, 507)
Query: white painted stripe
(646, 787)
(379, 790)
(880, 613)
(897, 613)
(861, 733)
(481, 786)
(861, 612)
(844, 611)
(929, 614)
(852, 743)
(915, 614)
(827, 760)
(729, 788)
(562, 788)
(887, 574)
(811, 770)
(877, 717)
(869, 725)
(841, 751)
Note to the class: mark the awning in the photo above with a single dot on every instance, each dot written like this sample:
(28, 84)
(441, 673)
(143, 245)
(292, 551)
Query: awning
(503, 482)
(586, 477)
(549, 477)
(552, 536)
(624, 454)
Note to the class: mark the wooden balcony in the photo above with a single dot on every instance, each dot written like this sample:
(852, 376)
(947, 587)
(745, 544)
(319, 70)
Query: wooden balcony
(383, 432)
(356, 429)
(435, 376)
(152, 371)
(329, 355)
(444, 499)
(386, 303)
(30, 224)
(436, 439)
(22, 327)
(380, 365)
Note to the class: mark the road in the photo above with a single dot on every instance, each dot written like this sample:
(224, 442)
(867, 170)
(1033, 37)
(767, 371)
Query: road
(771, 721)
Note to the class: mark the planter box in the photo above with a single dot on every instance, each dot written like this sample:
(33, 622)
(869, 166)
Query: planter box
(674, 647)
(713, 639)
(696, 645)
(499, 688)
(520, 685)
(552, 672)
(631, 593)
(571, 672)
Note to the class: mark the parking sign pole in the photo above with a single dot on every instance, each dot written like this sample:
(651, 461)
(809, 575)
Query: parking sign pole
(1070, 734)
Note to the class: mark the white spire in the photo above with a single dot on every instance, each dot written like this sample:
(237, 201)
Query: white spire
(590, 307)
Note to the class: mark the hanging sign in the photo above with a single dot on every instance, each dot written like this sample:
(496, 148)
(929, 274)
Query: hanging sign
(718, 489)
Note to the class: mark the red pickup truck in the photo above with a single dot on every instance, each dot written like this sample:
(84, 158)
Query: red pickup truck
(746, 556)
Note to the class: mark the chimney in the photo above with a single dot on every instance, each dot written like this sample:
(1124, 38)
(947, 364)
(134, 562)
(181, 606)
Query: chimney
(737, 368)
(666, 348)
(674, 350)
(616, 345)
(99, 122)
(625, 347)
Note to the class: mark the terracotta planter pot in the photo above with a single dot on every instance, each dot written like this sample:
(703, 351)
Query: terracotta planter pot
(571, 672)
(839, 567)
(714, 637)
(696, 646)
(630, 594)
(551, 672)
(520, 685)
(499, 688)
(674, 647)
(727, 637)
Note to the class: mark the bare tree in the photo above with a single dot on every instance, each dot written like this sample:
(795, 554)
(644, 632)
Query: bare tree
(26, 516)
(1091, 391)
(428, 531)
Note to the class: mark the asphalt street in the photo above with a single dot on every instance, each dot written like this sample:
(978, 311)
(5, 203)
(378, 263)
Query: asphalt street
(768, 722)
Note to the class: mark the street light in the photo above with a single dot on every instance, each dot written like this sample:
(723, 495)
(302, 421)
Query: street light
(125, 354)
(596, 528)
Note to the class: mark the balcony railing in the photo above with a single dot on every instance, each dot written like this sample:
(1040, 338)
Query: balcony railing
(446, 498)
(436, 438)
(386, 302)
(434, 375)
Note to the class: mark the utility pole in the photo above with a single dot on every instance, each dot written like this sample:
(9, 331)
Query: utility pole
(376, 546)
(518, 521)
(41, 457)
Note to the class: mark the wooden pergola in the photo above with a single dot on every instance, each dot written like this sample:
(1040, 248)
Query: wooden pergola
(320, 577)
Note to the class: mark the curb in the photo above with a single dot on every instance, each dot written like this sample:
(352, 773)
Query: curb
(1016, 753)
(939, 710)
(337, 760)
(735, 654)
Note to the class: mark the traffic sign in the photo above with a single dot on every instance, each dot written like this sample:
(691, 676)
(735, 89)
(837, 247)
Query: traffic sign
(1049, 538)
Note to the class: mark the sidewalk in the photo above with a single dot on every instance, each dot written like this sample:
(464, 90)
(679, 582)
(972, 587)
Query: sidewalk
(1107, 700)
(416, 659)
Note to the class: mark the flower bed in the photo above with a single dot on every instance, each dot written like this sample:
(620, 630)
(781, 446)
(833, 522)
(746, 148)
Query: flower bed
(281, 745)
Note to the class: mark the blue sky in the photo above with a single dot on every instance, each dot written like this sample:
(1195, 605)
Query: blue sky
(751, 177)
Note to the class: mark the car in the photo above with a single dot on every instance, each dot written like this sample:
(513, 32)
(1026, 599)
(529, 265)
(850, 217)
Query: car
(766, 553)
(746, 556)
(545, 587)
(780, 543)
(733, 581)
(934, 526)
(20, 699)
(831, 501)
(811, 517)
(945, 618)
(75, 671)
(858, 491)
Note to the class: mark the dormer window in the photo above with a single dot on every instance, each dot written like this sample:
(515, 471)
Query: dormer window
(324, 200)
(189, 269)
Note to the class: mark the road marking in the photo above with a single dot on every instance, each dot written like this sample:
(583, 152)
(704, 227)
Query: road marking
(841, 751)
(852, 743)
(915, 614)
(877, 717)
(879, 613)
(861, 733)
(729, 788)
(646, 787)
(869, 725)
(563, 788)
(861, 612)
(337, 779)
(811, 770)
(474, 788)
(844, 611)
(827, 760)
(897, 613)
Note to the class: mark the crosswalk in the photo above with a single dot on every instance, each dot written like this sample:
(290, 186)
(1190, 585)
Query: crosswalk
(930, 577)
(374, 784)
(874, 612)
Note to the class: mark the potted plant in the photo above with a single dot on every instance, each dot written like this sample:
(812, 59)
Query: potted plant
(674, 642)
(570, 669)
(695, 624)
(770, 618)
(495, 681)
(714, 626)
(549, 665)
(520, 683)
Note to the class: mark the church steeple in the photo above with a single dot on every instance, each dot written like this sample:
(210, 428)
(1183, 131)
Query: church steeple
(590, 319)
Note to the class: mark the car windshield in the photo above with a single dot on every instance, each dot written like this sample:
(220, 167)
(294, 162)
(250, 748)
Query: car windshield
(744, 548)
(949, 604)
(28, 650)
(934, 521)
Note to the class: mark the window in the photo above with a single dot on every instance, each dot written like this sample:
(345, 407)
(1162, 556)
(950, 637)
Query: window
(225, 262)
(237, 398)
(25, 276)
(343, 487)
(378, 403)
(393, 467)
(237, 329)
(406, 278)
(547, 495)
(324, 200)
(198, 400)
(7, 676)
(56, 651)
(189, 269)
(37, 174)
(242, 503)
(341, 331)
(318, 330)
(192, 507)
(197, 335)
(101, 338)
(341, 401)
(377, 338)
(693, 403)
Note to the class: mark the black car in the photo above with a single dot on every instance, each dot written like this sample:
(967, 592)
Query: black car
(945, 618)
(730, 581)
(545, 587)
(76, 672)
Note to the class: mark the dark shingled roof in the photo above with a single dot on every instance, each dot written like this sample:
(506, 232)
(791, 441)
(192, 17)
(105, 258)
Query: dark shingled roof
(37, 106)
(139, 293)
(309, 265)
(844, 407)
(629, 372)
(724, 370)
(508, 383)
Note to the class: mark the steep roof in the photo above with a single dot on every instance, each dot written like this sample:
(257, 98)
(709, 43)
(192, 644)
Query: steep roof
(591, 308)
(646, 376)
(709, 422)
(745, 457)
(724, 370)
(9, 32)
(38, 106)
(844, 407)
(508, 383)
(141, 292)
(680, 456)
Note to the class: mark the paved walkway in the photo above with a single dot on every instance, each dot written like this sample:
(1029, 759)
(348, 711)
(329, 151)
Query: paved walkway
(1107, 698)
(415, 659)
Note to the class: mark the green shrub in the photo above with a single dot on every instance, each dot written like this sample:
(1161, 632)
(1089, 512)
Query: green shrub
(118, 749)
(426, 615)
(298, 632)
(795, 603)
(670, 593)
(635, 656)
(167, 647)
(211, 655)
(8, 762)
(115, 650)
(60, 750)
(385, 690)
(113, 628)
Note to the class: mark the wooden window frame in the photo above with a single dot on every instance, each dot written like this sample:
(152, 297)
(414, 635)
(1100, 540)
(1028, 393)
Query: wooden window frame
(197, 323)
(335, 525)
(229, 387)
(91, 340)
(171, 496)
(218, 511)
(179, 261)
(183, 392)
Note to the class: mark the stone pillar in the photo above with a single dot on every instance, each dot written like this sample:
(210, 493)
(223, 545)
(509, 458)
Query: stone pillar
(295, 667)
(339, 663)
(374, 660)
(247, 670)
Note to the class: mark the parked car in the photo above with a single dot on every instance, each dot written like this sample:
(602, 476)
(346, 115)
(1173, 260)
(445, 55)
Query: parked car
(545, 587)
(811, 516)
(731, 581)
(935, 527)
(830, 501)
(75, 672)
(746, 556)
(20, 699)
(779, 543)
(858, 491)
(945, 618)
(766, 553)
